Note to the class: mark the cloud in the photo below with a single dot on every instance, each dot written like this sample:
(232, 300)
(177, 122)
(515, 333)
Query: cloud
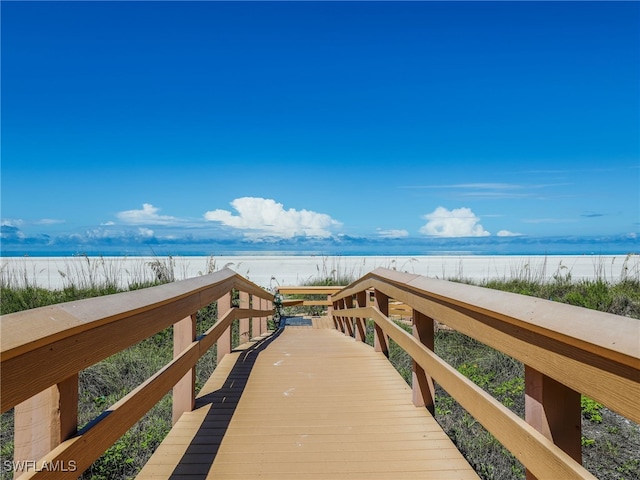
(459, 222)
(492, 186)
(147, 216)
(392, 233)
(495, 191)
(507, 233)
(12, 222)
(10, 232)
(49, 221)
(549, 220)
(260, 217)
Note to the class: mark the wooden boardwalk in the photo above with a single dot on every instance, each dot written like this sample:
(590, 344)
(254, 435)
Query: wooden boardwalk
(306, 403)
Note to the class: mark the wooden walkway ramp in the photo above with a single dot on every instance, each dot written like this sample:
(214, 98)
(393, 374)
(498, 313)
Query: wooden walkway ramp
(306, 403)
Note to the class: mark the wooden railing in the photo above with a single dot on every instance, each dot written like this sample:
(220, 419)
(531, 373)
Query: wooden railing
(324, 292)
(567, 351)
(43, 350)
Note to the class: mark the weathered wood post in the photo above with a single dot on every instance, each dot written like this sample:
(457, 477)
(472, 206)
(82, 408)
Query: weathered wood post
(44, 421)
(554, 410)
(423, 389)
(184, 333)
(224, 342)
(380, 340)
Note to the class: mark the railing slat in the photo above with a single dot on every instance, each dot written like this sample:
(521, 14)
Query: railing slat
(224, 342)
(184, 398)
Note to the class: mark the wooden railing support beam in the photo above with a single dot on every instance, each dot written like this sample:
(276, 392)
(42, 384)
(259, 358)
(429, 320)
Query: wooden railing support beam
(44, 421)
(224, 342)
(184, 395)
(380, 340)
(554, 410)
(423, 389)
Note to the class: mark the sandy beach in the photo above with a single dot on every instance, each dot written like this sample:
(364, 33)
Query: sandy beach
(271, 271)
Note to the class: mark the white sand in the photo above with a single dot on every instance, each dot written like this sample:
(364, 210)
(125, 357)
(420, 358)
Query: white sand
(271, 271)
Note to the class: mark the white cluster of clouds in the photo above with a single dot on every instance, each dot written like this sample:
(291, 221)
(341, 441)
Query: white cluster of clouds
(266, 217)
(258, 218)
(459, 222)
(112, 234)
(392, 233)
(147, 216)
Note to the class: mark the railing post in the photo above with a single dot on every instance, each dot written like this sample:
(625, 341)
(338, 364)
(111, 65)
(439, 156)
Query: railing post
(224, 342)
(334, 317)
(184, 333)
(244, 322)
(330, 307)
(348, 303)
(361, 330)
(423, 389)
(340, 318)
(263, 319)
(44, 421)
(270, 316)
(380, 340)
(255, 321)
(554, 410)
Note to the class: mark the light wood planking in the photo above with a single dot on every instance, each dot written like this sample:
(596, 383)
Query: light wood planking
(299, 416)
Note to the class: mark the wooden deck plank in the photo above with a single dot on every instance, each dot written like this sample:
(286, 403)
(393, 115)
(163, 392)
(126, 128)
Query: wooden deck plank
(313, 405)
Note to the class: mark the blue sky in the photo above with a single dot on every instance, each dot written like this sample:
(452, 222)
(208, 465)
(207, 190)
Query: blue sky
(318, 123)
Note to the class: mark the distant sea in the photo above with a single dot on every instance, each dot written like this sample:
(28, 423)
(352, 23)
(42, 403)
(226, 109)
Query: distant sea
(335, 246)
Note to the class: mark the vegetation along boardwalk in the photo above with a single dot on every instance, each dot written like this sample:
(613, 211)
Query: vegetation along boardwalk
(290, 412)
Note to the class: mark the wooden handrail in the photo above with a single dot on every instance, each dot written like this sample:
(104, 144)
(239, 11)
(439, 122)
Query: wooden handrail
(310, 291)
(43, 350)
(32, 342)
(565, 350)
